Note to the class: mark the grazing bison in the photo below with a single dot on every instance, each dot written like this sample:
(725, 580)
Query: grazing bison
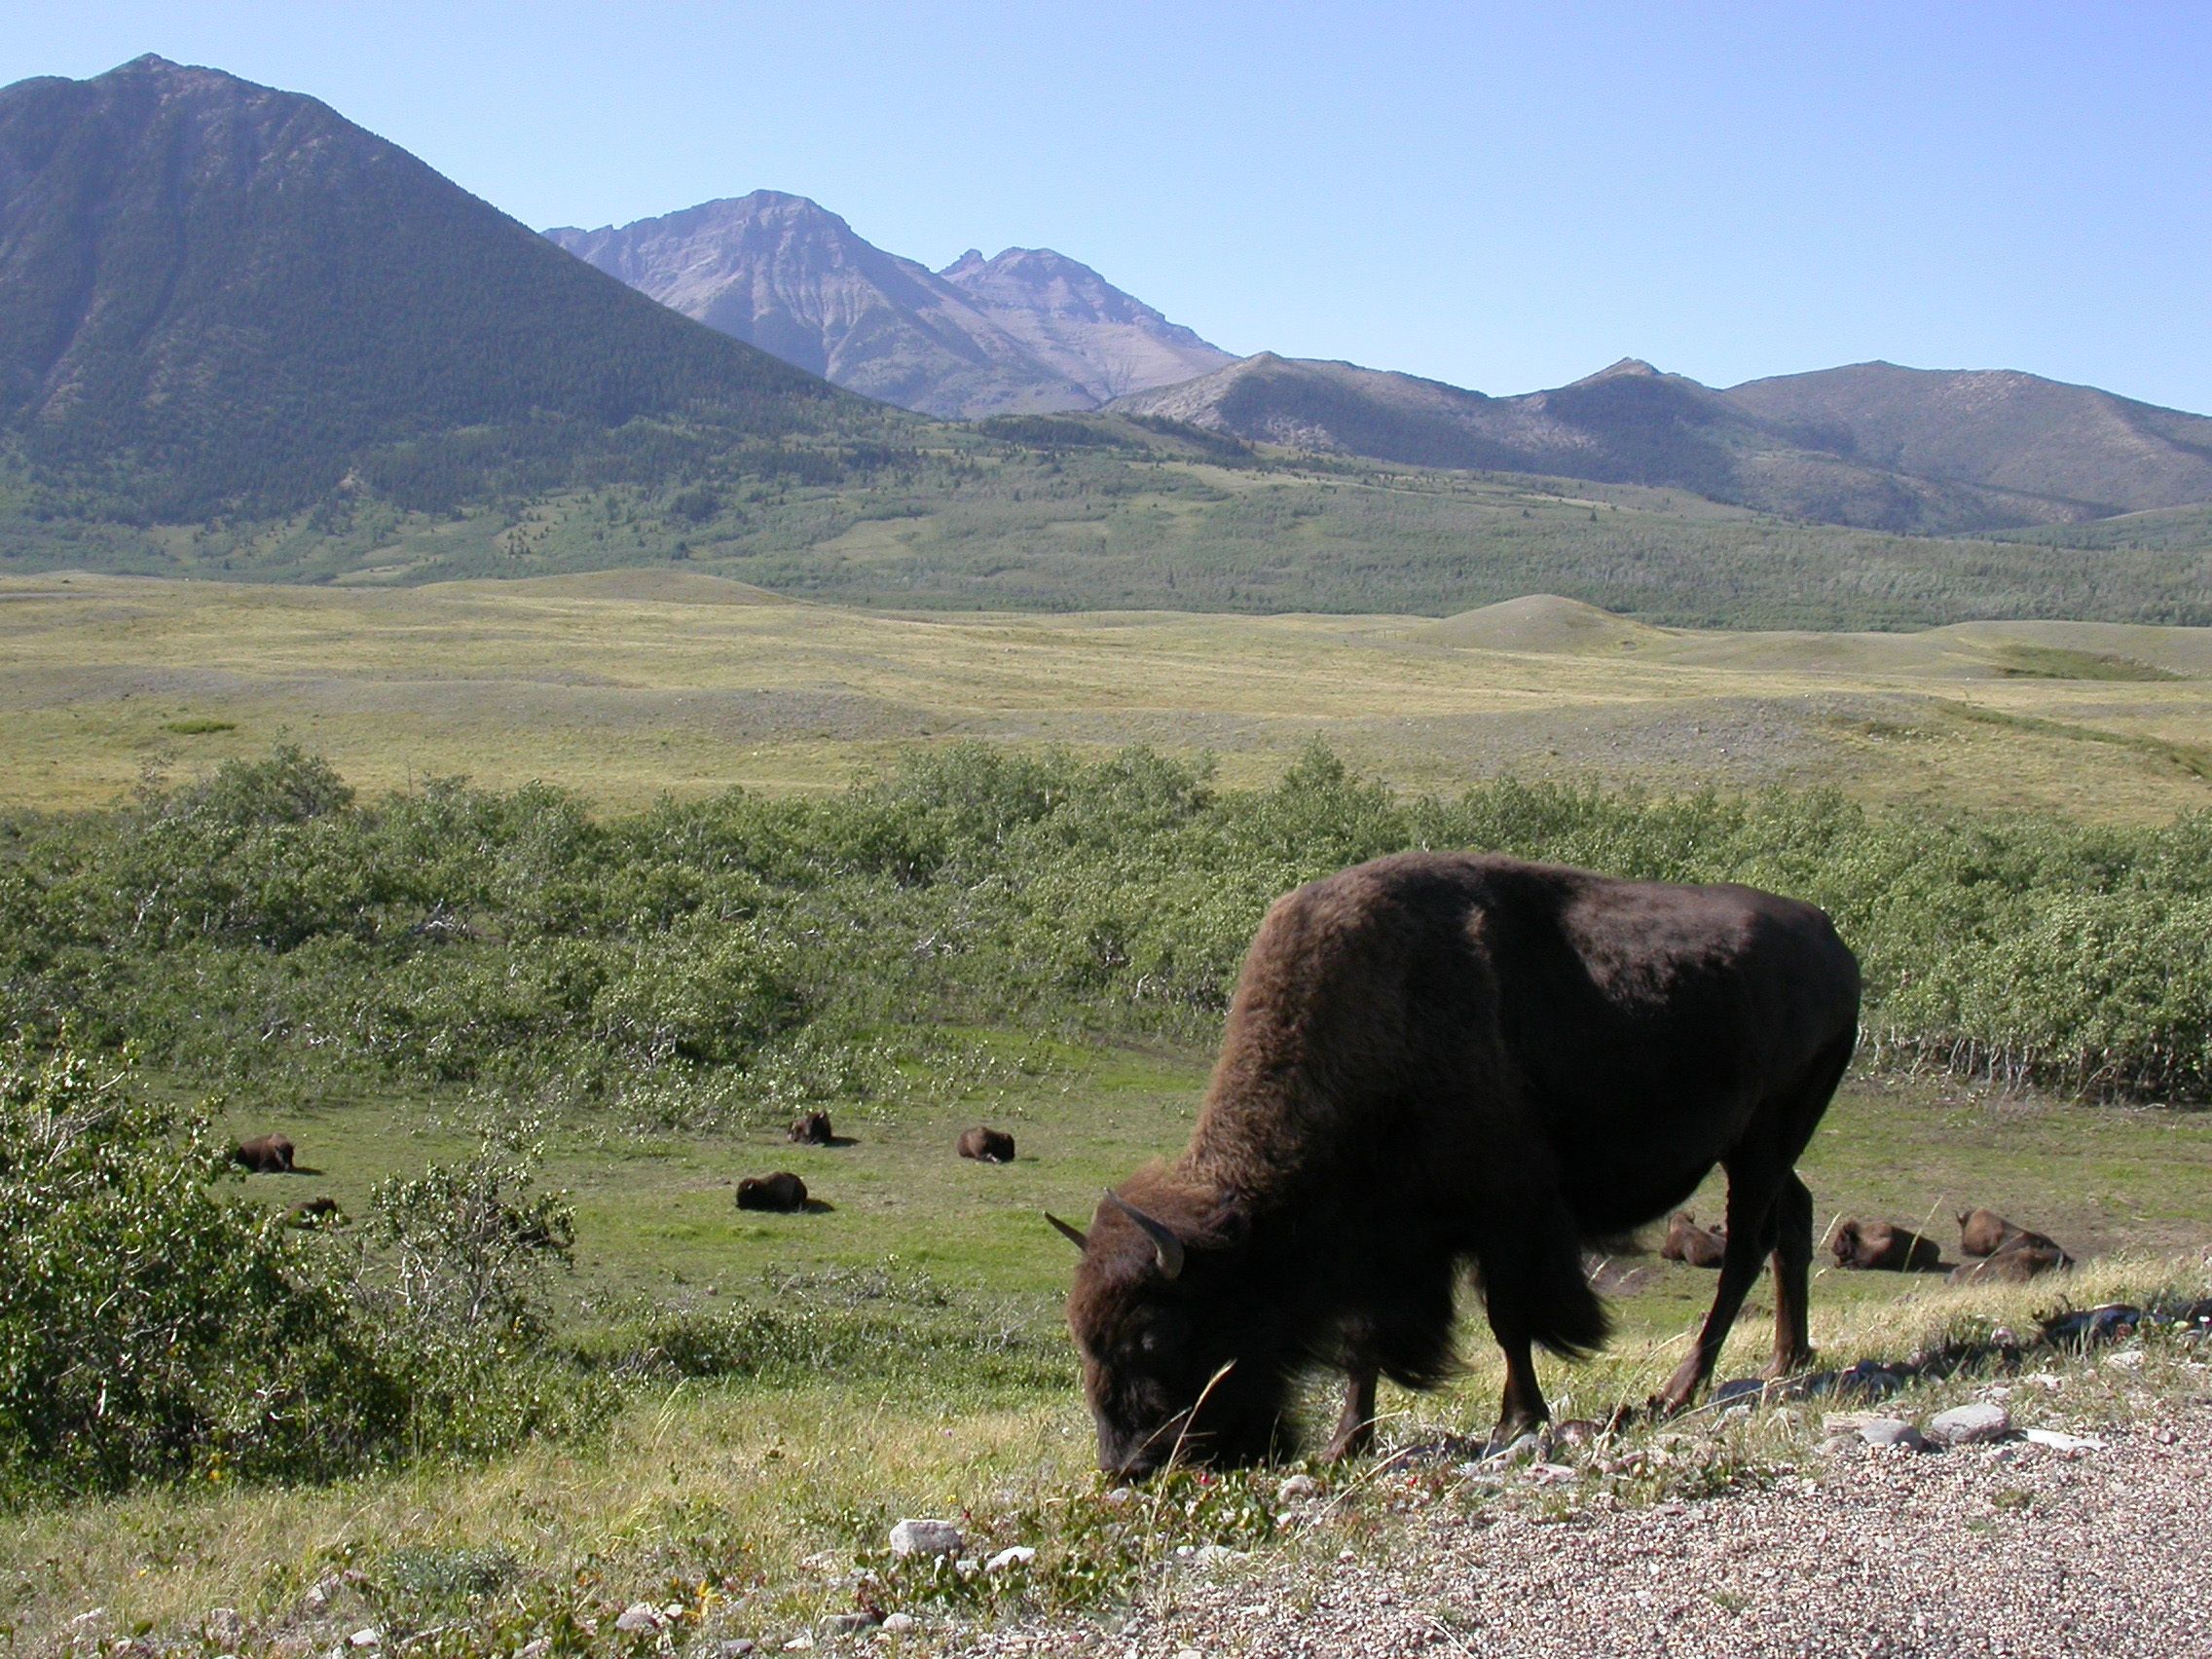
(813, 1130)
(1438, 1059)
(782, 1191)
(1885, 1245)
(1686, 1242)
(2030, 1256)
(1985, 1233)
(987, 1145)
(264, 1155)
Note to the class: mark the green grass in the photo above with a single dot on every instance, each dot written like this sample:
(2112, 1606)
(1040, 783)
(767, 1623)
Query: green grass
(734, 1488)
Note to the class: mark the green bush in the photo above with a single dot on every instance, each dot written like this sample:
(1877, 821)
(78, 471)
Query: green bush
(151, 1326)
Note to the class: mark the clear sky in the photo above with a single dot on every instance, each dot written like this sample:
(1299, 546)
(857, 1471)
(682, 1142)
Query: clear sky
(1500, 196)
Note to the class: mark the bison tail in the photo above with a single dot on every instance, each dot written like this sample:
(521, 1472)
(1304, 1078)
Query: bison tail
(1575, 1324)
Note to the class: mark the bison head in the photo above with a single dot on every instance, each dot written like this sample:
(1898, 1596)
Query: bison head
(1178, 1363)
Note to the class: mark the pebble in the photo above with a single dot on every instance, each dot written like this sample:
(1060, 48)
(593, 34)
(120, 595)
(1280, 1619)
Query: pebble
(926, 1537)
(1014, 1555)
(899, 1624)
(1299, 1488)
(738, 1648)
(848, 1624)
(1970, 1425)
(2060, 1442)
(639, 1615)
(367, 1637)
(1891, 1432)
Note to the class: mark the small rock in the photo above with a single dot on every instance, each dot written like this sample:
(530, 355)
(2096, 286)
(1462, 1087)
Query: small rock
(367, 1637)
(639, 1615)
(1891, 1432)
(1119, 1496)
(1299, 1488)
(799, 1643)
(536, 1649)
(1214, 1555)
(967, 1567)
(738, 1648)
(1189, 1654)
(2057, 1441)
(848, 1624)
(2127, 1359)
(1553, 1474)
(1970, 1425)
(89, 1616)
(899, 1624)
(1014, 1555)
(926, 1537)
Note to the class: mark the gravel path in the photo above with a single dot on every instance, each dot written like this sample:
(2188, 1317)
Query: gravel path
(1997, 1550)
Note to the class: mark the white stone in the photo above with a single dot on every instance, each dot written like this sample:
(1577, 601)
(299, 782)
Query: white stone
(1970, 1425)
(1014, 1555)
(639, 1615)
(926, 1537)
(1299, 1488)
(899, 1624)
(368, 1637)
(1891, 1432)
(2059, 1442)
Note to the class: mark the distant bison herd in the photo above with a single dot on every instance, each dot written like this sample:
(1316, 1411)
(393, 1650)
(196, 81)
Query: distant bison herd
(784, 1192)
(2004, 1254)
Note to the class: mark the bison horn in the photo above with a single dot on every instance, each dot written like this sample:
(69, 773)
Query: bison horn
(1074, 1234)
(1166, 1248)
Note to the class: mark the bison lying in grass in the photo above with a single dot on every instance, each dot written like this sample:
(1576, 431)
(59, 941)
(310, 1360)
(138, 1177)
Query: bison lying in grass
(1434, 1060)
(987, 1145)
(812, 1129)
(1688, 1242)
(782, 1191)
(264, 1155)
(1886, 1246)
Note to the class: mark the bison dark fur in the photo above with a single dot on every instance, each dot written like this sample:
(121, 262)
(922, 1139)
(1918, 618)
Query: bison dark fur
(1686, 1242)
(316, 1213)
(1434, 1060)
(813, 1130)
(987, 1145)
(264, 1155)
(1882, 1244)
(782, 1191)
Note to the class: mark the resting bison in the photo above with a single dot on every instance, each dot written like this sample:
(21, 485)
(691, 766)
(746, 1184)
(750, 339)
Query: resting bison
(315, 1212)
(986, 1146)
(1985, 1233)
(813, 1130)
(782, 1191)
(2028, 1257)
(264, 1155)
(1881, 1244)
(1437, 1059)
(1686, 1242)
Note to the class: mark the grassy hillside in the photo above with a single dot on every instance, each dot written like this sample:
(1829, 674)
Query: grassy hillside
(627, 684)
(1063, 514)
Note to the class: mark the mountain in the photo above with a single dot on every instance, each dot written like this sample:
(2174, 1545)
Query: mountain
(215, 296)
(1627, 424)
(1076, 322)
(1028, 332)
(1998, 428)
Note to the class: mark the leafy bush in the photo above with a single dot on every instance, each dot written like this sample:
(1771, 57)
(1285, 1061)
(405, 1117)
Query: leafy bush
(149, 1325)
(733, 958)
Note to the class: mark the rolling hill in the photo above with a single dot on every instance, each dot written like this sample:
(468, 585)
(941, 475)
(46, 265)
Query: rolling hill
(1627, 424)
(1031, 331)
(217, 297)
(1996, 429)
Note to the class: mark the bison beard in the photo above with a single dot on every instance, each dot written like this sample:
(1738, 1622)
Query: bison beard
(1433, 1061)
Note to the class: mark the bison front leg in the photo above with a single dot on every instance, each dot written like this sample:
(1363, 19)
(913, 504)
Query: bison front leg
(1356, 1425)
(1793, 1271)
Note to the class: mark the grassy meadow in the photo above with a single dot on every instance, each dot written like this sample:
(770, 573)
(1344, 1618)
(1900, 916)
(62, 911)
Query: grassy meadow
(958, 895)
(626, 685)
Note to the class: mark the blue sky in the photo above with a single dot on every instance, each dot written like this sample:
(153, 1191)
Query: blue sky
(1503, 196)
